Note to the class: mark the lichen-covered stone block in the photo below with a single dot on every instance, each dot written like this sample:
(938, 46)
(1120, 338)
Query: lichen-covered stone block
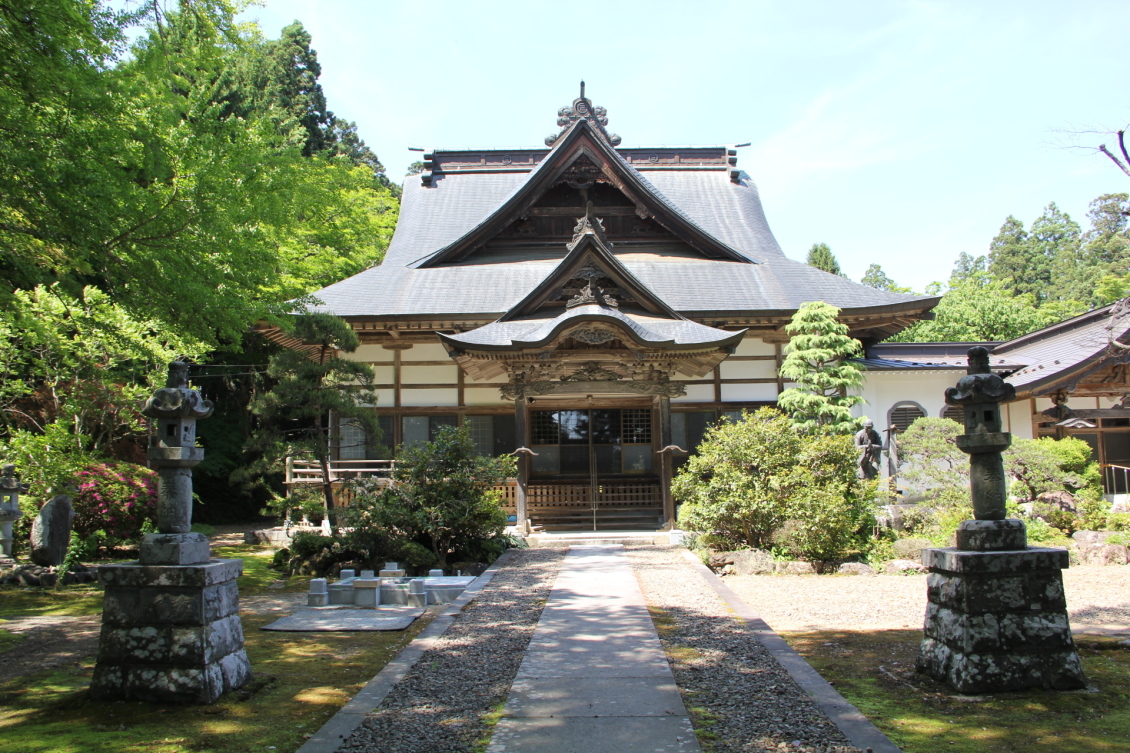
(997, 621)
(171, 636)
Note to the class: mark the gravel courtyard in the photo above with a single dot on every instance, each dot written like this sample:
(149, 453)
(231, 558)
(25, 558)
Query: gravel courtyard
(1098, 600)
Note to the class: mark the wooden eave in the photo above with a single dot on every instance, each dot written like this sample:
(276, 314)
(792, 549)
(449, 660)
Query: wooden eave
(581, 140)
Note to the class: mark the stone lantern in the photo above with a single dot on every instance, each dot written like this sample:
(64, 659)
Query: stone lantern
(170, 622)
(10, 489)
(996, 617)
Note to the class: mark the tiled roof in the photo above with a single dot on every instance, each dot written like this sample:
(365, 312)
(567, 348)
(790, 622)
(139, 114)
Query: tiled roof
(650, 330)
(687, 285)
(1057, 351)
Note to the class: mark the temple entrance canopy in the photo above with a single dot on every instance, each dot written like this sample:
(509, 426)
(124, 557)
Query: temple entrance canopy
(593, 340)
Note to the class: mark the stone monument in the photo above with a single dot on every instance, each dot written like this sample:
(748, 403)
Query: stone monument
(170, 621)
(51, 531)
(996, 618)
(10, 489)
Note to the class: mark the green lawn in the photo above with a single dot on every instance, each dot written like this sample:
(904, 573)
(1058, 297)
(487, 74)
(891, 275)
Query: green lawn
(301, 679)
(875, 671)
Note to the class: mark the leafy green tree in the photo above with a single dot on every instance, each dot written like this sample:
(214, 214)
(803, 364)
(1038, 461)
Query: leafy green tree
(1013, 262)
(818, 361)
(442, 495)
(314, 392)
(128, 173)
(932, 466)
(821, 257)
(978, 309)
(760, 481)
(876, 278)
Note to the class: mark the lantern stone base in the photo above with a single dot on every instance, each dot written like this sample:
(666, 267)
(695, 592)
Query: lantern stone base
(997, 620)
(170, 633)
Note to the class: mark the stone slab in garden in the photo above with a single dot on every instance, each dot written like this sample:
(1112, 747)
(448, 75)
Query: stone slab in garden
(346, 620)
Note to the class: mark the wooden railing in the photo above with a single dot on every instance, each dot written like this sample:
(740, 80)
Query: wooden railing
(310, 471)
(1116, 479)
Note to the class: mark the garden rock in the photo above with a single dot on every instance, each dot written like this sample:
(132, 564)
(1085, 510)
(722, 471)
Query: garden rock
(36, 576)
(752, 562)
(855, 568)
(896, 567)
(51, 532)
(1062, 499)
(911, 549)
(1090, 538)
(796, 568)
(1101, 554)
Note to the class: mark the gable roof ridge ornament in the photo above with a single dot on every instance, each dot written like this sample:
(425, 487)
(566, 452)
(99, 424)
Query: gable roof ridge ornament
(589, 225)
(583, 109)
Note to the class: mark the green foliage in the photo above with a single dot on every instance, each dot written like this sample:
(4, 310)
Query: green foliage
(876, 278)
(978, 308)
(441, 496)
(127, 168)
(760, 481)
(931, 465)
(1118, 521)
(293, 413)
(817, 360)
(115, 500)
(821, 257)
(1036, 466)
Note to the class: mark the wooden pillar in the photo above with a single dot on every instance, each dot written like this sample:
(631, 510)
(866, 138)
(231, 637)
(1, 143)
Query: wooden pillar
(523, 464)
(665, 461)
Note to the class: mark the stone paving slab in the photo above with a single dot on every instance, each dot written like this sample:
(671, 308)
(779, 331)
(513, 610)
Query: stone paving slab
(594, 697)
(346, 620)
(639, 734)
(594, 677)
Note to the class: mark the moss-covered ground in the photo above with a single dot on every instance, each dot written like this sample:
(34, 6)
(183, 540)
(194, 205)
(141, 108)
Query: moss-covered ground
(301, 679)
(875, 671)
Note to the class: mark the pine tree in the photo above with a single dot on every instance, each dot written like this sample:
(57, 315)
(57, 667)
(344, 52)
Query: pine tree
(818, 362)
(821, 257)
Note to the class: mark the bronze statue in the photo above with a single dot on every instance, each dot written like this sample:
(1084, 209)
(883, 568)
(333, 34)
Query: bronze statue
(870, 445)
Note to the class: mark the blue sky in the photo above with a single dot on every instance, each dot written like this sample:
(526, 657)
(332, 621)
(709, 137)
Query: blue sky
(899, 133)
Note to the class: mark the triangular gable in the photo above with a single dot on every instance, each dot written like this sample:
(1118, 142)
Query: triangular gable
(590, 258)
(582, 140)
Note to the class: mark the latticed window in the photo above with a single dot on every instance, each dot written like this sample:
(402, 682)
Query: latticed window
(481, 429)
(636, 425)
(954, 413)
(904, 414)
(543, 427)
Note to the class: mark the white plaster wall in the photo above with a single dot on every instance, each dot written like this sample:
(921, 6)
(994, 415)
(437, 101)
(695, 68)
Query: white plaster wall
(429, 374)
(383, 374)
(425, 352)
(884, 389)
(697, 393)
(370, 354)
(741, 392)
(430, 398)
(754, 346)
(748, 370)
(385, 398)
(1019, 417)
(484, 396)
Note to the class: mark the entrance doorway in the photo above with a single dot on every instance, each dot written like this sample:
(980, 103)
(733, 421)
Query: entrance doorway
(594, 470)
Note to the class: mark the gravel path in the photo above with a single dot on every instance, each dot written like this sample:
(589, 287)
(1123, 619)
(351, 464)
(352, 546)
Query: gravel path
(1098, 600)
(744, 700)
(439, 706)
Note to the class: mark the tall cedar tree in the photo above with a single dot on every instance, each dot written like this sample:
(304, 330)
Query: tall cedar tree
(876, 278)
(314, 393)
(821, 257)
(817, 360)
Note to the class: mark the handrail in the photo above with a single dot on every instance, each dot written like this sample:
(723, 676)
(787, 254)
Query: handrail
(310, 471)
(1116, 478)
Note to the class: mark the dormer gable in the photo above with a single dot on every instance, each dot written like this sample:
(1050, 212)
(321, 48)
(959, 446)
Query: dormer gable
(589, 274)
(582, 159)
